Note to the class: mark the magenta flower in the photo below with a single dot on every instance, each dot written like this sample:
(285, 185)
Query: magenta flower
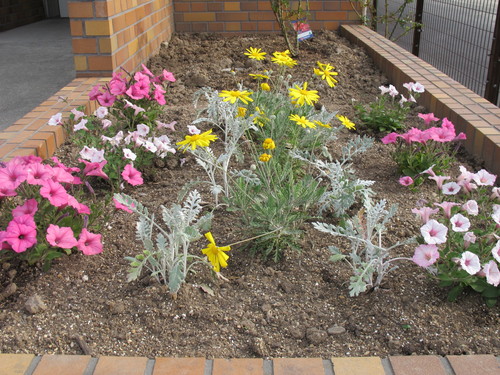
(424, 213)
(470, 263)
(428, 118)
(447, 206)
(167, 76)
(62, 176)
(434, 233)
(484, 178)
(7, 191)
(117, 87)
(13, 175)
(492, 273)
(62, 237)
(37, 173)
(459, 223)
(406, 181)
(94, 169)
(159, 95)
(95, 92)
(390, 138)
(54, 192)
(4, 245)
(20, 233)
(79, 207)
(132, 175)
(28, 208)
(426, 255)
(89, 243)
(106, 99)
(61, 165)
(147, 71)
(120, 206)
(450, 188)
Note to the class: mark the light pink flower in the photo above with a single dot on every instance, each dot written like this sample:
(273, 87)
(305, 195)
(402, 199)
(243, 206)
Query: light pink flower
(429, 171)
(406, 181)
(402, 101)
(392, 91)
(136, 108)
(492, 273)
(101, 112)
(30, 207)
(142, 130)
(89, 243)
(150, 146)
(167, 126)
(62, 237)
(21, 233)
(467, 186)
(428, 117)
(424, 213)
(469, 238)
(408, 85)
(434, 232)
(459, 223)
(465, 174)
(495, 193)
(426, 255)
(193, 130)
(92, 154)
(470, 263)
(132, 175)
(56, 120)
(471, 207)
(447, 206)
(81, 125)
(54, 192)
(484, 178)
(496, 251)
(450, 188)
(106, 99)
(106, 123)
(439, 179)
(418, 88)
(78, 114)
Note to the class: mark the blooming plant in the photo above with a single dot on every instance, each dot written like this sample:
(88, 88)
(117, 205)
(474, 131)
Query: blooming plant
(387, 113)
(166, 254)
(125, 129)
(41, 215)
(418, 150)
(459, 242)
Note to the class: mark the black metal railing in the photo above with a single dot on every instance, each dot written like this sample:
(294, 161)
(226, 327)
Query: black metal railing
(459, 37)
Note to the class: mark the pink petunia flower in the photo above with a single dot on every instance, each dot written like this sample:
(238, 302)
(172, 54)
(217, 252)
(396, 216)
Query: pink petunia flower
(484, 178)
(62, 176)
(426, 255)
(466, 186)
(62, 237)
(434, 233)
(37, 173)
(61, 165)
(7, 191)
(120, 206)
(117, 87)
(442, 135)
(459, 223)
(147, 71)
(492, 273)
(471, 207)
(428, 117)
(89, 243)
(450, 188)
(101, 112)
(106, 123)
(439, 179)
(106, 99)
(30, 207)
(470, 263)
(132, 175)
(167, 76)
(142, 130)
(159, 95)
(447, 206)
(465, 174)
(81, 125)
(469, 238)
(406, 181)
(424, 213)
(418, 88)
(95, 92)
(170, 126)
(19, 234)
(94, 169)
(429, 171)
(13, 175)
(54, 192)
(78, 114)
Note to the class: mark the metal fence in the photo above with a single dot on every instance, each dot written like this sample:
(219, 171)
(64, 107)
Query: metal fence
(457, 37)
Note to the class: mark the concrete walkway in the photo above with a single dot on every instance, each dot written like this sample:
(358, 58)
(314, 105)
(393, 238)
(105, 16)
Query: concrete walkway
(36, 61)
(27, 364)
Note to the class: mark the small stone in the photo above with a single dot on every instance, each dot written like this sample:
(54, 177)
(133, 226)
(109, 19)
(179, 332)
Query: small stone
(35, 304)
(116, 307)
(286, 286)
(336, 330)
(5, 266)
(316, 336)
(297, 333)
(266, 307)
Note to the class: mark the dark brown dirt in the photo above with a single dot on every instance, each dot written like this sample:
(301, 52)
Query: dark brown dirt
(299, 307)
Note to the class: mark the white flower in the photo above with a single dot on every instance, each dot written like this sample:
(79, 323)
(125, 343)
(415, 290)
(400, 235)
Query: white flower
(470, 263)
(450, 188)
(418, 87)
(78, 114)
(465, 174)
(81, 125)
(492, 273)
(471, 207)
(484, 178)
(55, 120)
(142, 130)
(92, 154)
(193, 130)
(459, 223)
(116, 140)
(149, 146)
(383, 89)
(402, 101)
(392, 91)
(129, 154)
(106, 123)
(167, 126)
(101, 112)
(434, 232)
(470, 237)
(496, 251)
(408, 86)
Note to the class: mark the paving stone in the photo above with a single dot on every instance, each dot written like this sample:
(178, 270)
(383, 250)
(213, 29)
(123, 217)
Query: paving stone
(474, 364)
(121, 366)
(62, 364)
(417, 365)
(179, 366)
(358, 366)
(238, 366)
(298, 366)
(14, 364)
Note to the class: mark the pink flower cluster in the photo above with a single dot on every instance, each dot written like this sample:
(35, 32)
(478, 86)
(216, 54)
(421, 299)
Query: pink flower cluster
(145, 85)
(51, 183)
(443, 134)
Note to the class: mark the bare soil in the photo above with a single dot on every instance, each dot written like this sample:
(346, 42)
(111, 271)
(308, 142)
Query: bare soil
(298, 307)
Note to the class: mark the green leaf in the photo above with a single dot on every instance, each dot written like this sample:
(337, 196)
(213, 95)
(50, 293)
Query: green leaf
(454, 292)
(337, 257)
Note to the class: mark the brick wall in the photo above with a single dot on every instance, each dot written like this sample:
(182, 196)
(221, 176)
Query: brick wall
(109, 34)
(254, 15)
(14, 13)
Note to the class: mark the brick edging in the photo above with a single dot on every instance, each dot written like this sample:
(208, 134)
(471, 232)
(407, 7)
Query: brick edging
(471, 114)
(30, 364)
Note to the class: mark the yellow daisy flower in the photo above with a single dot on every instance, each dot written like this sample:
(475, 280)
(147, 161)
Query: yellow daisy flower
(216, 255)
(300, 95)
(346, 122)
(325, 72)
(202, 140)
(233, 96)
(283, 59)
(322, 124)
(302, 121)
(265, 87)
(241, 112)
(268, 144)
(259, 76)
(255, 53)
(265, 157)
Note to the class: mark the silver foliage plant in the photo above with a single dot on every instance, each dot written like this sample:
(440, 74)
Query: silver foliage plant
(369, 258)
(343, 187)
(165, 255)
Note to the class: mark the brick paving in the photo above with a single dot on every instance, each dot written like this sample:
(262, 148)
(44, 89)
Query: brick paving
(27, 364)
